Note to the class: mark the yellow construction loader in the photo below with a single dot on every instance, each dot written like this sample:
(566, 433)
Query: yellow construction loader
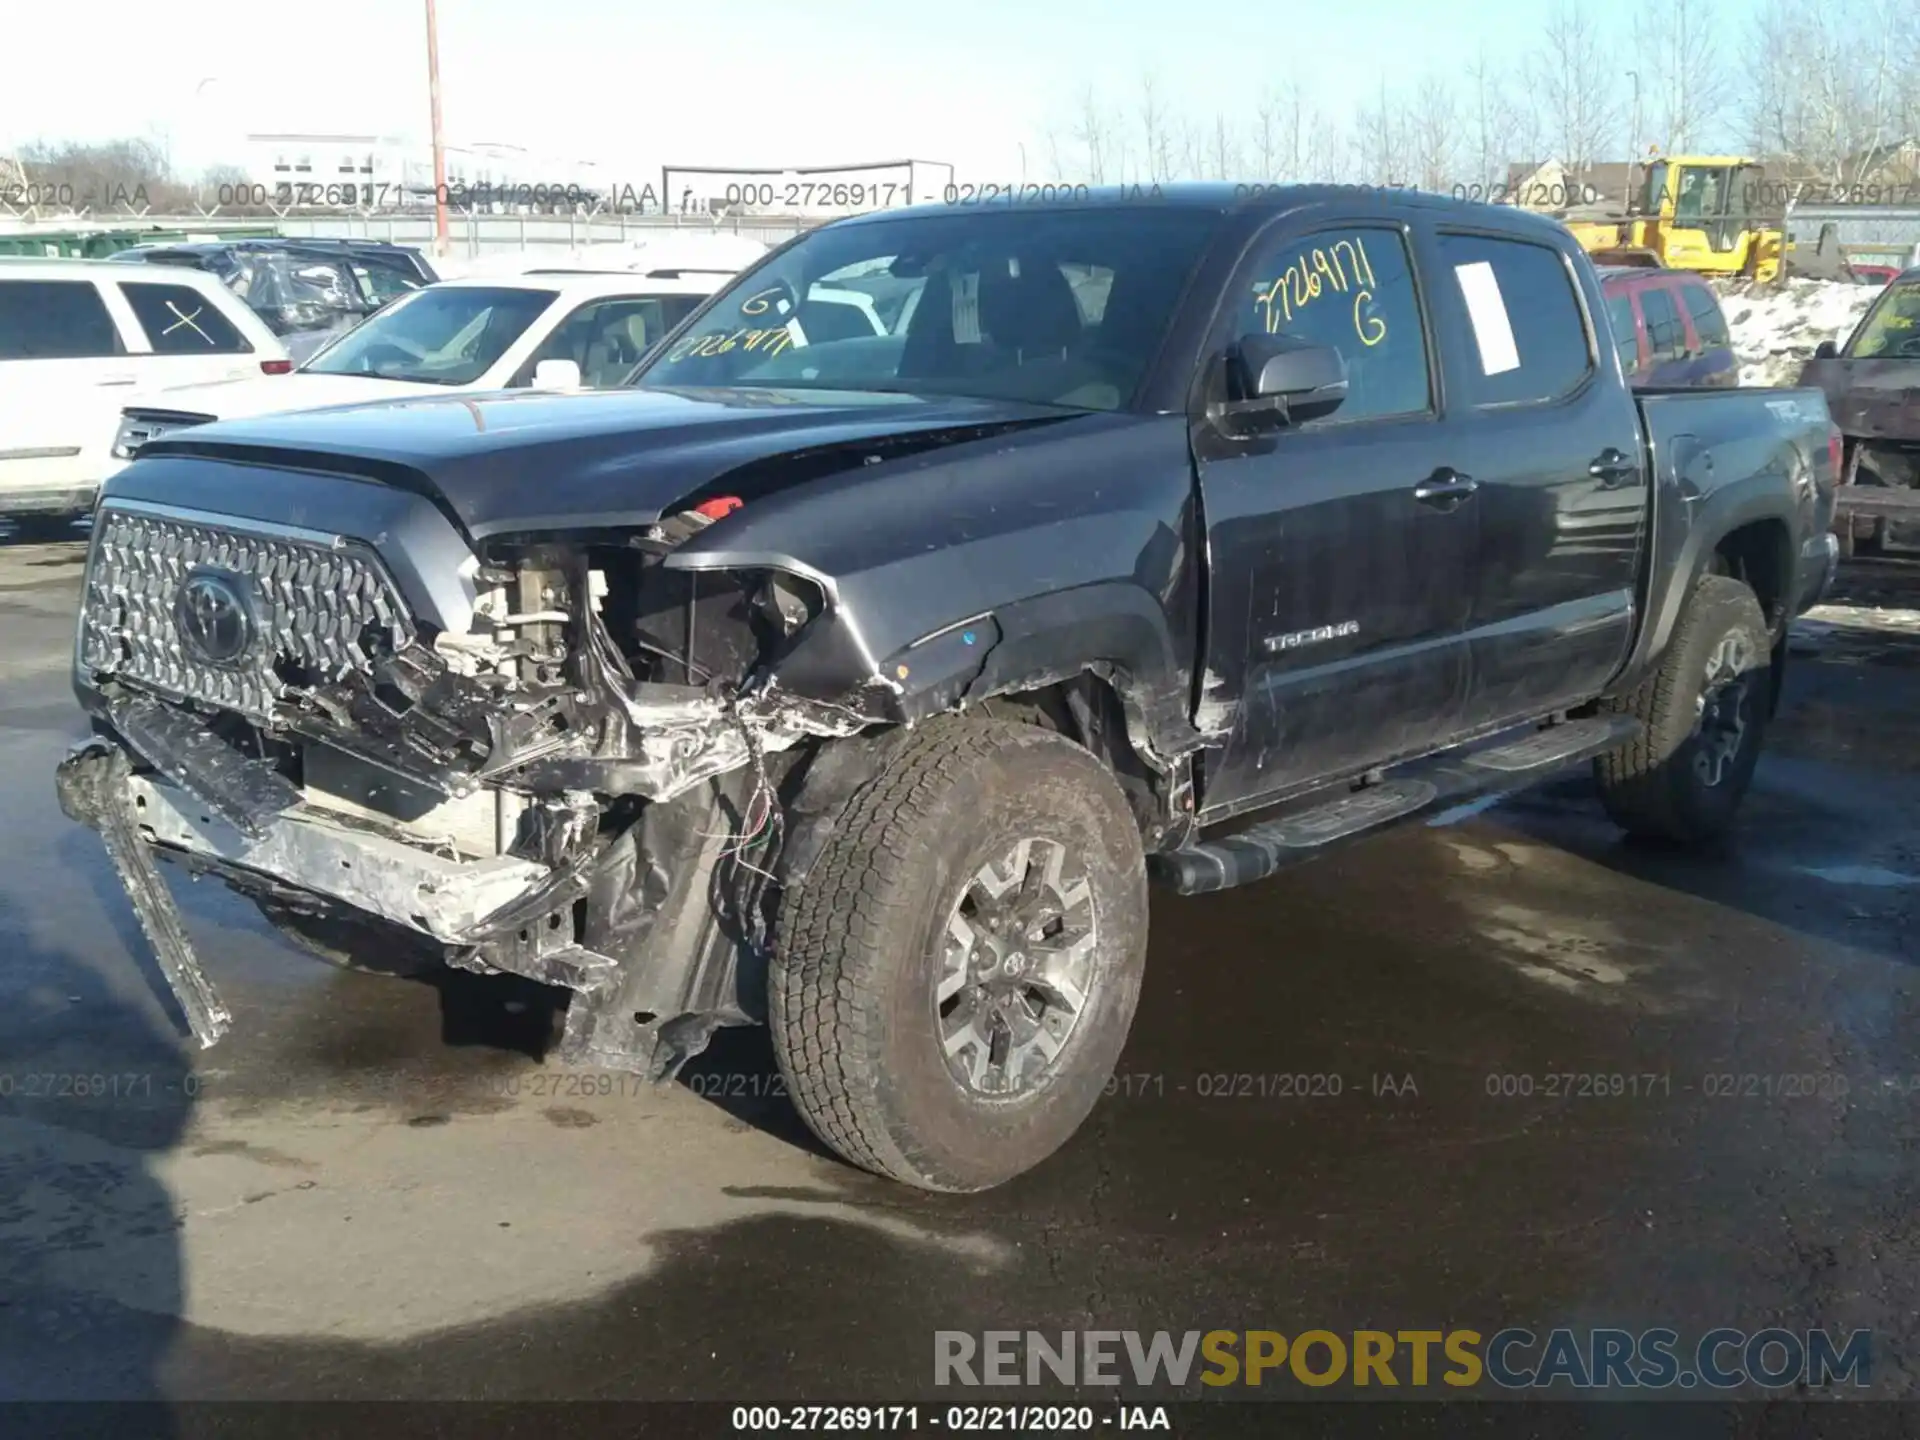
(1713, 214)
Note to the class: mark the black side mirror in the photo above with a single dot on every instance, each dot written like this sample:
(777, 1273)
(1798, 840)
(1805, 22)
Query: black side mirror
(1302, 380)
(1826, 350)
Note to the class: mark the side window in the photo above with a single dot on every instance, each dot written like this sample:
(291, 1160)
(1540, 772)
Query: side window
(1708, 321)
(1529, 336)
(1352, 289)
(381, 283)
(181, 321)
(1625, 342)
(1666, 337)
(823, 320)
(1091, 286)
(605, 338)
(55, 320)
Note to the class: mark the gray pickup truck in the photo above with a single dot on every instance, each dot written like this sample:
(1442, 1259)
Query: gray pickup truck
(857, 683)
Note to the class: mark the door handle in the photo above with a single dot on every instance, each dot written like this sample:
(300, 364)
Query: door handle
(1613, 469)
(1445, 488)
(118, 380)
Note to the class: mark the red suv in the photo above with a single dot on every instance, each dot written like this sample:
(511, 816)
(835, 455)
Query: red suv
(1668, 327)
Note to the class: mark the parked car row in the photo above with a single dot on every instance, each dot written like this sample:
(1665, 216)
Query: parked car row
(307, 290)
(97, 356)
(78, 338)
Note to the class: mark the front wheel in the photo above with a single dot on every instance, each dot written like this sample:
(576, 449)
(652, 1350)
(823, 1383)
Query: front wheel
(1705, 713)
(953, 980)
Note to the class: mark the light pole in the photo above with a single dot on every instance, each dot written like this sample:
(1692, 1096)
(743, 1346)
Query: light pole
(1633, 140)
(439, 147)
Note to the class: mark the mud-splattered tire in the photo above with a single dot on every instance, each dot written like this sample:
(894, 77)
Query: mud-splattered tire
(865, 954)
(1683, 779)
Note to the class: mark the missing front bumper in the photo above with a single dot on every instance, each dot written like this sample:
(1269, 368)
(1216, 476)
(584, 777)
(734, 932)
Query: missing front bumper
(95, 789)
(660, 974)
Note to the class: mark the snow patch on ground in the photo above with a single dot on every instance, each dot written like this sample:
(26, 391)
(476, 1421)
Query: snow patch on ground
(1775, 327)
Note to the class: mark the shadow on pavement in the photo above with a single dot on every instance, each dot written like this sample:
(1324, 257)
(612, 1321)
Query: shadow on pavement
(91, 1272)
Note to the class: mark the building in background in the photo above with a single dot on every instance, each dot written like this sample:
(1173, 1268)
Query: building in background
(389, 171)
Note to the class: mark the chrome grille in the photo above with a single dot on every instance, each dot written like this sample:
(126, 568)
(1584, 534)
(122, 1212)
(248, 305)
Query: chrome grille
(313, 599)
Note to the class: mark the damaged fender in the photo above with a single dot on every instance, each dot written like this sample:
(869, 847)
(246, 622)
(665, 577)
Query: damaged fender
(956, 574)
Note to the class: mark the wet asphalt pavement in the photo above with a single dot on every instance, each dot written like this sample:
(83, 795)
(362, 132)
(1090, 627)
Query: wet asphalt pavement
(376, 1188)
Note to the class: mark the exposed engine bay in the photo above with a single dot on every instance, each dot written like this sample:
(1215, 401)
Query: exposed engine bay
(583, 779)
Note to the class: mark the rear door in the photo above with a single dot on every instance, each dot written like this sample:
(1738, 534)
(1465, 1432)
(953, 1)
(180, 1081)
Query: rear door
(1339, 558)
(1554, 444)
(64, 369)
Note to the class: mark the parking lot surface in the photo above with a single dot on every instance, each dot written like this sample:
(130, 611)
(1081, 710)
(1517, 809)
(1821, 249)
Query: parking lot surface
(1512, 1071)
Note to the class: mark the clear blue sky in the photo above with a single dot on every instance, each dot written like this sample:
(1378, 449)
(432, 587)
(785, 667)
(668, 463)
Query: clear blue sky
(745, 82)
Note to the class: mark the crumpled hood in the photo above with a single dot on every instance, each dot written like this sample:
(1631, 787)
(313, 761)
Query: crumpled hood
(270, 394)
(1870, 399)
(529, 461)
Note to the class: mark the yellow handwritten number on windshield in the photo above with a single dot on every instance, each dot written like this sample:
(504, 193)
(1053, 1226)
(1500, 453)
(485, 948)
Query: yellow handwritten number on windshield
(757, 304)
(1321, 271)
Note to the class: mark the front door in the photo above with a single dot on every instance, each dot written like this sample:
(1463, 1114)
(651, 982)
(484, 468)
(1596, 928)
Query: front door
(1339, 551)
(1555, 444)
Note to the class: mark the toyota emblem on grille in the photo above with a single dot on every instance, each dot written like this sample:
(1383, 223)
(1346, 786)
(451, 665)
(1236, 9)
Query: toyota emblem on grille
(214, 615)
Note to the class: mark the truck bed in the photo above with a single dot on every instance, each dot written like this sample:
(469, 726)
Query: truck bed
(1719, 459)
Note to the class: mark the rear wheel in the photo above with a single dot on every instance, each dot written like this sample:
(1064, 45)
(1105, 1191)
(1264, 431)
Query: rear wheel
(954, 979)
(1705, 713)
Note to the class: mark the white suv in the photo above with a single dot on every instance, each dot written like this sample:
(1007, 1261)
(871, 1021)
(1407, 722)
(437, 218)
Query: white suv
(76, 336)
(552, 330)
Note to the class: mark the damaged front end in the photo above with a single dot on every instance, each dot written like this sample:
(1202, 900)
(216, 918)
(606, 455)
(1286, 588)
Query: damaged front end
(576, 781)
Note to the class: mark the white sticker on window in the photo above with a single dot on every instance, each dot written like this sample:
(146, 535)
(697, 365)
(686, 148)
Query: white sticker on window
(1492, 331)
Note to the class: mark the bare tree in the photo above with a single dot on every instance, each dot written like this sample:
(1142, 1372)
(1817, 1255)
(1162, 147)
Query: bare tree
(1155, 143)
(1834, 84)
(1223, 151)
(117, 177)
(1309, 138)
(1188, 149)
(1688, 83)
(1578, 80)
(1433, 134)
(1381, 151)
(1499, 129)
(1264, 143)
(1093, 130)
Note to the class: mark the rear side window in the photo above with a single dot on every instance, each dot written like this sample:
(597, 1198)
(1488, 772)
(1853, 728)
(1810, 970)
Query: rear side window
(55, 320)
(1708, 323)
(1352, 289)
(181, 321)
(1625, 342)
(1528, 335)
(1666, 337)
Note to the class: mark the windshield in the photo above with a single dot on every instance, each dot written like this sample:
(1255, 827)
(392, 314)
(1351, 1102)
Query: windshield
(1891, 330)
(1062, 307)
(436, 336)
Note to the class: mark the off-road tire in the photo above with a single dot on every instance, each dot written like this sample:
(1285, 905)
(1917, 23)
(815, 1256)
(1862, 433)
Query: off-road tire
(855, 960)
(1651, 787)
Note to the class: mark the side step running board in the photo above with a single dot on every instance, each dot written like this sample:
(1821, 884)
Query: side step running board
(1442, 781)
